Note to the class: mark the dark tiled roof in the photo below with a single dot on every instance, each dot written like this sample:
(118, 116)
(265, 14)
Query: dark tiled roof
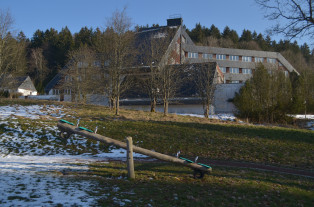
(156, 40)
(53, 82)
(14, 83)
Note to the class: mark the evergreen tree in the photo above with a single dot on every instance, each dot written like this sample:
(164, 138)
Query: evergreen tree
(64, 45)
(266, 97)
(197, 34)
(246, 36)
(226, 32)
(306, 52)
(84, 37)
(99, 41)
(214, 32)
(37, 39)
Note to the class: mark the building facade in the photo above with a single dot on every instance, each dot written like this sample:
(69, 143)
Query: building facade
(22, 85)
(232, 66)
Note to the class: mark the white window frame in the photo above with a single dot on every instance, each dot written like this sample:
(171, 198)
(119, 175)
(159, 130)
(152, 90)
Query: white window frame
(234, 70)
(259, 59)
(223, 69)
(207, 56)
(271, 60)
(192, 55)
(220, 57)
(246, 59)
(246, 70)
(234, 57)
(235, 81)
(56, 92)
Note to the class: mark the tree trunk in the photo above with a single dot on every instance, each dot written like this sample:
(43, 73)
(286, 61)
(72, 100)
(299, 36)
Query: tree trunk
(112, 103)
(166, 107)
(117, 106)
(206, 112)
(153, 105)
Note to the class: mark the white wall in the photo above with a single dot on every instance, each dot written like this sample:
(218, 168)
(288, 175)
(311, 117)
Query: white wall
(45, 97)
(223, 93)
(26, 92)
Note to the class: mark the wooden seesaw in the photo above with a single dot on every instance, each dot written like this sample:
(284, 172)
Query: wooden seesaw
(67, 129)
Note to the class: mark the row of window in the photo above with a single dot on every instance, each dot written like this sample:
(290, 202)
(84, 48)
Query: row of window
(241, 81)
(231, 57)
(236, 70)
(95, 63)
(57, 91)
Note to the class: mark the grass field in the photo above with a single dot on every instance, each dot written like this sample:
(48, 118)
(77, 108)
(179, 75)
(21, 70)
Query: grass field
(205, 138)
(163, 184)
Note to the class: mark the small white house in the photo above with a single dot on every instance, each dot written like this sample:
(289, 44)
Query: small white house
(22, 85)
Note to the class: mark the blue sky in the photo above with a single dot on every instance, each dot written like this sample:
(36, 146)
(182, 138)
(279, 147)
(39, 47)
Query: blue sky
(30, 15)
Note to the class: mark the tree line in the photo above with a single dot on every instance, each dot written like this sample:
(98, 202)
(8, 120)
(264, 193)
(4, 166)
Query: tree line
(47, 52)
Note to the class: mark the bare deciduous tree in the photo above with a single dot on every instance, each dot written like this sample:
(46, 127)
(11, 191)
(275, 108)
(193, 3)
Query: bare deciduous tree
(205, 77)
(119, 56)
(151, 50)
(6, 50)
(82, 75)
(294, 17)
(169, 82)
(39, 64)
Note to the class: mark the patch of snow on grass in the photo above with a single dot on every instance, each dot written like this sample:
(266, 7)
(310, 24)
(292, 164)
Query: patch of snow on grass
(310, 118)
(31, 112)
(224, 117)
(21, 188)
(302, 116)
(33, 157)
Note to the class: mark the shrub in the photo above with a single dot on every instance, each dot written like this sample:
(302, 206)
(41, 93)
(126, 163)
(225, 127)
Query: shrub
(266, 97)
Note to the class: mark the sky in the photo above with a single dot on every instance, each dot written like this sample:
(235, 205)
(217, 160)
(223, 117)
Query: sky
(30, 15)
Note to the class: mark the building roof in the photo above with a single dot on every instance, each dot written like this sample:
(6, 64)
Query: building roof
(152, 43)
(239, 52)
(153, 46)
(53, 82)
(14, 83)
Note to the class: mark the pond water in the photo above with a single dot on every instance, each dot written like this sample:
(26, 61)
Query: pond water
(175, 109)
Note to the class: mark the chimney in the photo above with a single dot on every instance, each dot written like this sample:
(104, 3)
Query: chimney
(174, 22)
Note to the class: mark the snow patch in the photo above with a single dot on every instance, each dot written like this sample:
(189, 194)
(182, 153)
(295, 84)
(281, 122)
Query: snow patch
(224, 117)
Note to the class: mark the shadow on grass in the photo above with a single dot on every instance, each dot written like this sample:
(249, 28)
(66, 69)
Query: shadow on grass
(142, 167)
(263, 176)
(275, 133)
(221, 189)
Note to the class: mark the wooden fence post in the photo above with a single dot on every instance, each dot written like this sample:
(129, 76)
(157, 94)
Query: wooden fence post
(129, 157)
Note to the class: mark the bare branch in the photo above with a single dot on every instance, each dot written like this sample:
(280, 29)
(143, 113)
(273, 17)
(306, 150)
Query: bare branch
(294, 17)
